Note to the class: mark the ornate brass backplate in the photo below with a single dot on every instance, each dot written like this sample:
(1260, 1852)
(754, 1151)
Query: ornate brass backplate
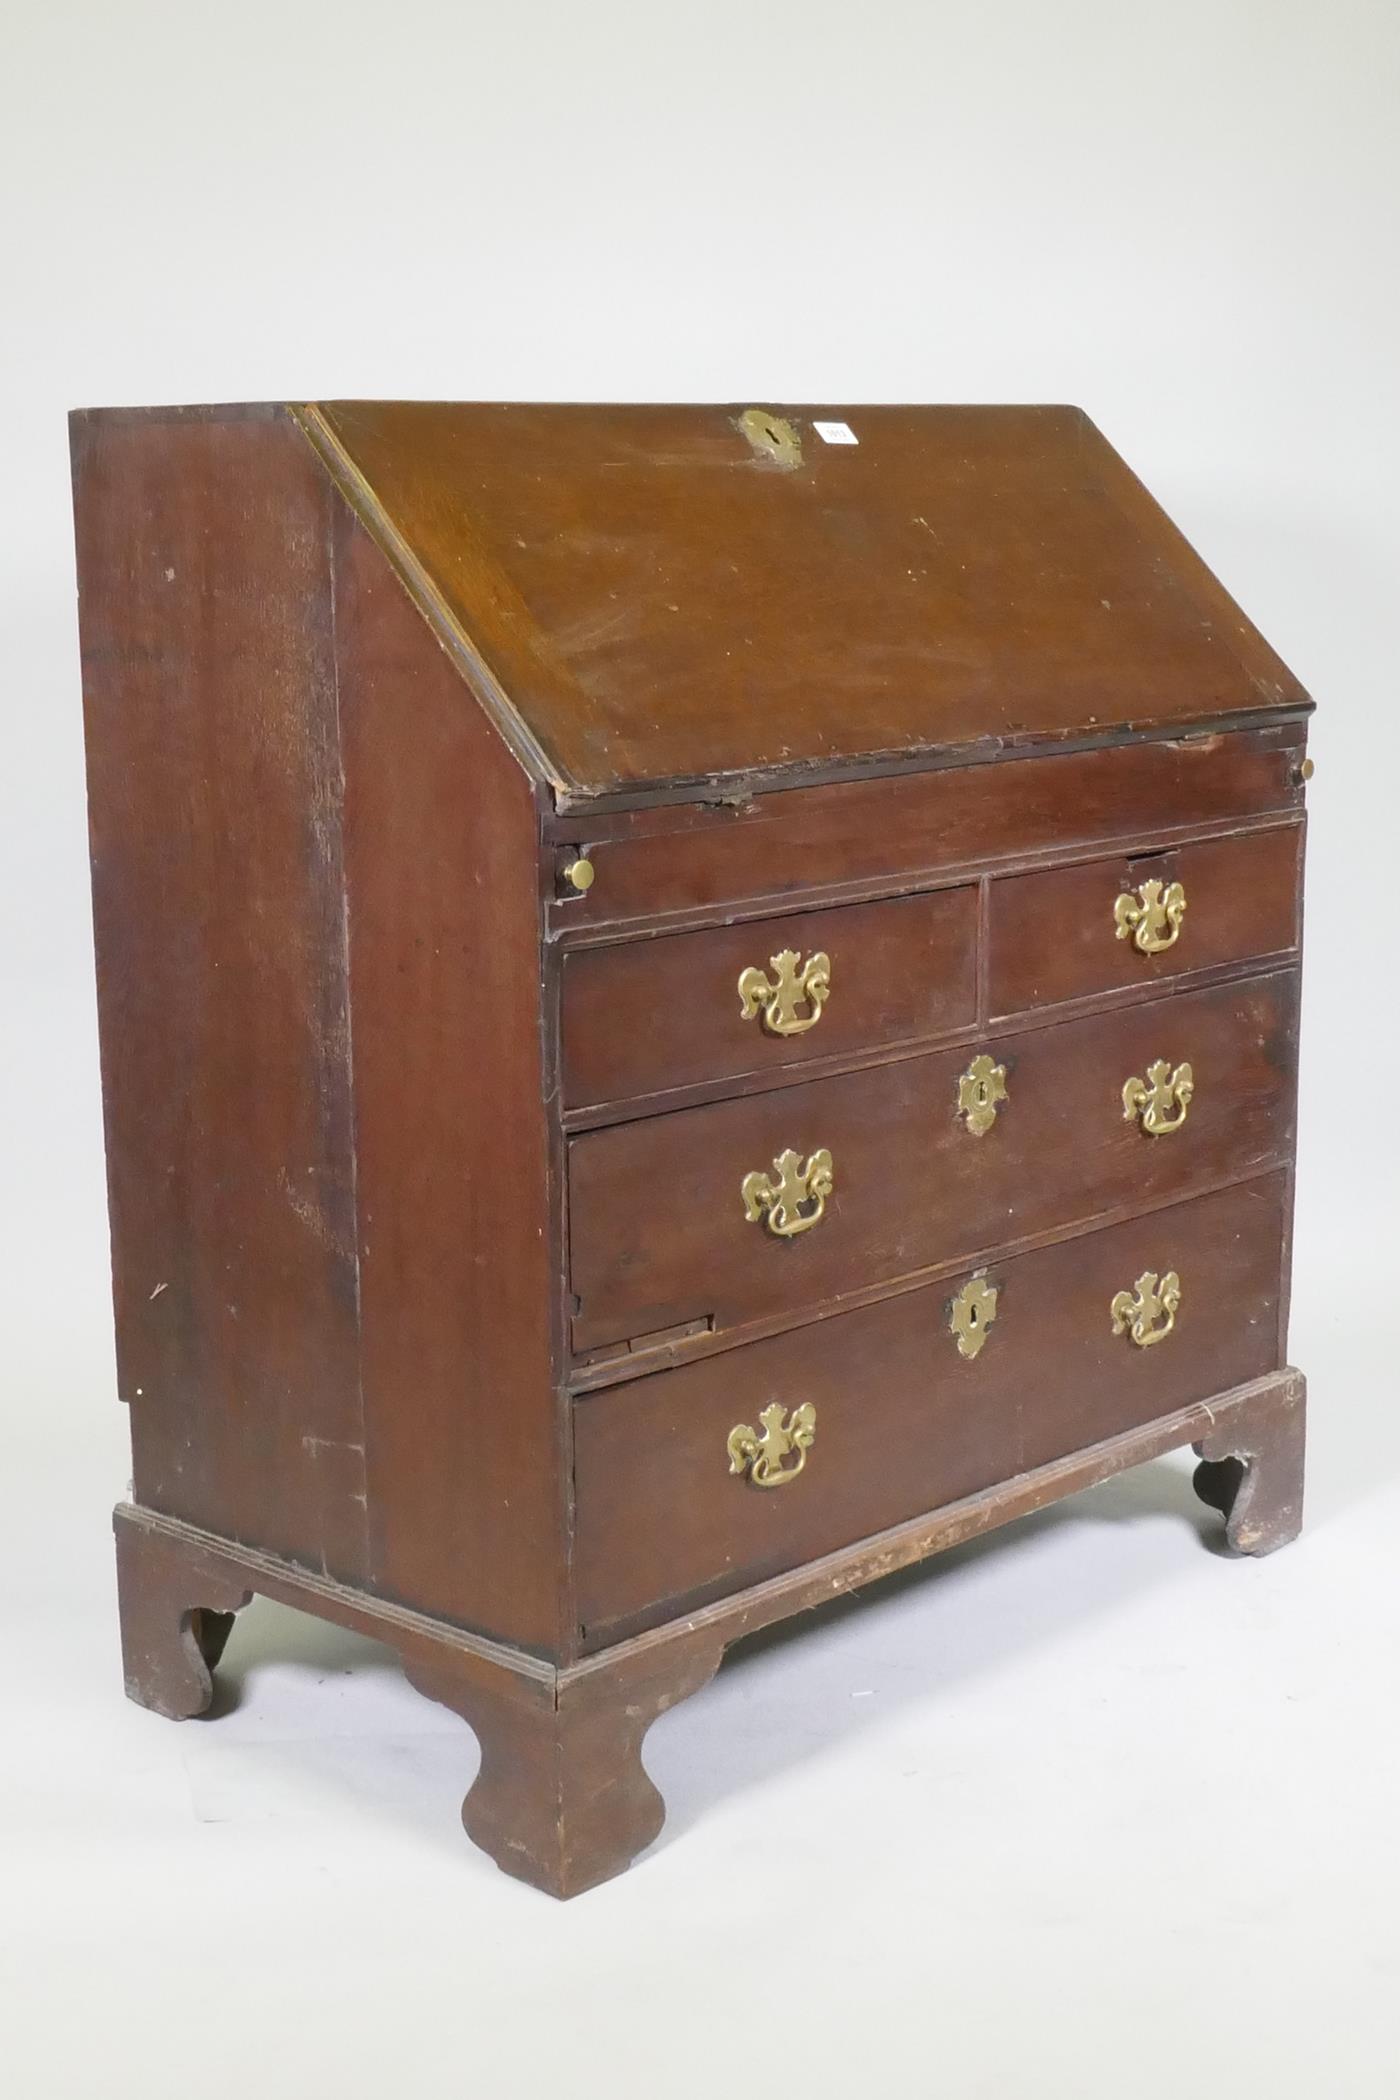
(1152, 918)
(973, 1312)
(982, 1085)
(1154, 1098)
(795, 1201)
(780, 998)
(762, 1456)
(1148, 1311)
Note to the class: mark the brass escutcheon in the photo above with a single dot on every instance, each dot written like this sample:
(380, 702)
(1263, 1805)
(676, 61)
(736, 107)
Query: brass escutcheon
(779, 998)
(772, 437)
(1148, 1311)
(1152, 918)
(973, 1312)
(1153, 1098)
(795, 1201)
(761, 1457)
(982, 1085)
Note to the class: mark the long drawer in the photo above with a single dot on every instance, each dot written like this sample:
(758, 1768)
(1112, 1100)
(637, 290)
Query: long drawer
(716, 1215)
(870, 1417)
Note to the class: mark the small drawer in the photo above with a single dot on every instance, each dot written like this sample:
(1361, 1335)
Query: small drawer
(645, 1016)
(770, 1206)
(1072, 932)
(907, 1410)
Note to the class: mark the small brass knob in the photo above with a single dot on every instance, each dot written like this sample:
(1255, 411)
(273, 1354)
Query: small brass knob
(1303, 774)
(579, 874)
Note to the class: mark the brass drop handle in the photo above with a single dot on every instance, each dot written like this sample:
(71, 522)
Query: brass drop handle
(796, 1200)
(1153, 1099)
(782, 998)
(1152, 918)
(762, 1456)
(1148, 1311)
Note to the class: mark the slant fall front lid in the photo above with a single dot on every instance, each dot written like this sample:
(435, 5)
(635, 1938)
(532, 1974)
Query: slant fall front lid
(667, 595)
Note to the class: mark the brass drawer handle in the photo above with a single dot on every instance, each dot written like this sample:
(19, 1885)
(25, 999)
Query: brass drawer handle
(1153, 1098)
(981, 1087)
(973, 1312)
(1148, 1311)
(779, 1002)
(1152, 918)
(761, 1457)
(796, 1200)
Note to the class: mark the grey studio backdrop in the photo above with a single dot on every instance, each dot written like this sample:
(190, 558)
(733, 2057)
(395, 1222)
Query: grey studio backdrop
(1085, 1808)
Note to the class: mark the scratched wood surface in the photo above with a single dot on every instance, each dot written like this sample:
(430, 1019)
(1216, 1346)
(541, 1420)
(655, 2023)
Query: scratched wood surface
(683, 862)
(1052, 937)
(657, 600)
(638, 1017)
(459, 1258)
(903, 1422)
(659, 1232)
(215, 806)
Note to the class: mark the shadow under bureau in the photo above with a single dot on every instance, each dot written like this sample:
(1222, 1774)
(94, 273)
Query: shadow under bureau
(696, 1004)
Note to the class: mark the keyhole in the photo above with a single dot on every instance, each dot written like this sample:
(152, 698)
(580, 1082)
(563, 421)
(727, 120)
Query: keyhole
(772, 437)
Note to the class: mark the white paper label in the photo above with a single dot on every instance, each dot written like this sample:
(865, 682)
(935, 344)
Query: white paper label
(835, 433)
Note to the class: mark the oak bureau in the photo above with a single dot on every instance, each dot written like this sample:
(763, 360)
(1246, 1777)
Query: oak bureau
(696, 1004)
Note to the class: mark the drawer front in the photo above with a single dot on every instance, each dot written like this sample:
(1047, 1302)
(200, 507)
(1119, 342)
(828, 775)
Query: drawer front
(648, 1015)
(1071, 932)
(902, 1421)
(661, 1235)
(657, 862)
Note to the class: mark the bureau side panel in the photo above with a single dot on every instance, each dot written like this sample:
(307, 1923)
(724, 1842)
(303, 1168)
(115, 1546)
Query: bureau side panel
(459, 1268)
(215, 802)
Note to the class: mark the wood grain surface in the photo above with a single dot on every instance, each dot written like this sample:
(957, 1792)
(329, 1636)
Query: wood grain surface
(659, 1234)
(634, 578)
(903, 1422)
(217, 827)
(640, 1016)
(684, 862)
(1052, 937)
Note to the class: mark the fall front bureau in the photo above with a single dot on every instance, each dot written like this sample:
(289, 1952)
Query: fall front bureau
(696, 1004)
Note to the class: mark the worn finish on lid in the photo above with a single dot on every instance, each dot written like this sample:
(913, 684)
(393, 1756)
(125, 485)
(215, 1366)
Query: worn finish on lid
(670, 594)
